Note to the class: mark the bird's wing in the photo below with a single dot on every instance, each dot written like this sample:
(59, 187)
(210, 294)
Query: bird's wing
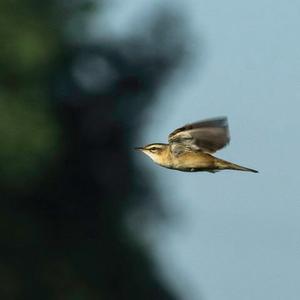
(207, 136)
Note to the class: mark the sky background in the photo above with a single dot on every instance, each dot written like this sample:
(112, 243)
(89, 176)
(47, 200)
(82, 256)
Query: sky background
(231, 235)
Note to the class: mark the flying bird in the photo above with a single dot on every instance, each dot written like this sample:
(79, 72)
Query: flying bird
(190, 148)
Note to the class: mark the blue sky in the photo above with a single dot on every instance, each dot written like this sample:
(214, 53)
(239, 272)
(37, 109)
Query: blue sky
(233, 235)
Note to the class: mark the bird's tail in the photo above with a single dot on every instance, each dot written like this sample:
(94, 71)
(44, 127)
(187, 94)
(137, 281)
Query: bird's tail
(226, 165)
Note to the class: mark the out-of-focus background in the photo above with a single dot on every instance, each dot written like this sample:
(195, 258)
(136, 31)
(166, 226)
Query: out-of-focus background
(82, 216)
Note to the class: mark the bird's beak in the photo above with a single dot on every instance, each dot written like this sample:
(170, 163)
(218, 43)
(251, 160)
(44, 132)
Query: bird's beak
(139, 148)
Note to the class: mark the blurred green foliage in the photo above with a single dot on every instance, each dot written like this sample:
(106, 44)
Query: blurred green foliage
(31, 39)
(29, 133)
(62, 202)
(29, 138)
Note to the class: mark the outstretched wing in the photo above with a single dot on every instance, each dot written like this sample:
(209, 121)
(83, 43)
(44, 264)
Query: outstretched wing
(207, 136)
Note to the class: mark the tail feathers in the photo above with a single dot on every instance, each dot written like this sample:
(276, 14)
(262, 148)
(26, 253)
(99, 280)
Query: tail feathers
(226, 165)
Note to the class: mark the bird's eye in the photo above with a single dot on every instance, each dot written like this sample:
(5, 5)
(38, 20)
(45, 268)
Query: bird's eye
(153, 150)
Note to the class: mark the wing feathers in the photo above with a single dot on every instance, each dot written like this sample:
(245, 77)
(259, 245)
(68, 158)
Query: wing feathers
(207, 136)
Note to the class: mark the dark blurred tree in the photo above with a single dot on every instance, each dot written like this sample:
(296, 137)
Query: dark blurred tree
(68, 113)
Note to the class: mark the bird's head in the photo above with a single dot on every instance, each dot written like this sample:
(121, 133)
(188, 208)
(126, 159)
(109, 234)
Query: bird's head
(155, 151)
